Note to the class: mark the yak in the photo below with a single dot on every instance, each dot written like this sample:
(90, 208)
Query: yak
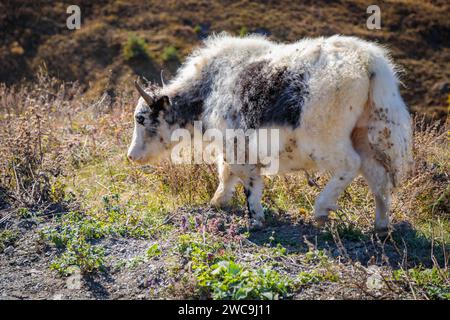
(334, 100)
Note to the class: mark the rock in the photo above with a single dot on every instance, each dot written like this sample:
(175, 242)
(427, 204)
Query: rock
(375, 280)
(8, 298)
(9, 250)
(58, 296)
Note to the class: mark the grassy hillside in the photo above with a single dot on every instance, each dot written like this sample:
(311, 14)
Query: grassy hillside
(34, 33)
(78, 220)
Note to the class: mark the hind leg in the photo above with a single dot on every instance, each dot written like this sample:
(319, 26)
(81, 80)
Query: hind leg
(378, 180)
(343, 174)
(376, 177)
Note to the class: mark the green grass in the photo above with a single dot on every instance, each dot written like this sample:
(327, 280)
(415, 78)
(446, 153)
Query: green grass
(170, 53)
(243, 31)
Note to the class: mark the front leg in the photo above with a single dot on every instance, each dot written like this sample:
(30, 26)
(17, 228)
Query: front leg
(253, 187)
(227, 182)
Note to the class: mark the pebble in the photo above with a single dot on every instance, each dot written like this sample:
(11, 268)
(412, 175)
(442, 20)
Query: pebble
(9, 250)
(57, 296)
(141, 296)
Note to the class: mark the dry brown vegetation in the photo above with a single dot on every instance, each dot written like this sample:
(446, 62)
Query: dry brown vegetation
(72, 203)
(33, 33)
(73, 207)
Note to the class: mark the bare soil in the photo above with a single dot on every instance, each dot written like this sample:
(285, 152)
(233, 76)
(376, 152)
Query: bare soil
(26, 273)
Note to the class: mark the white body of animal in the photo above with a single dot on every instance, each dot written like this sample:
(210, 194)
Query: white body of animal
(335, 102)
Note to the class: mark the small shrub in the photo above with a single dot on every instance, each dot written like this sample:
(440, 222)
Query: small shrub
(81, 254)
(434, 281)
(135, 48)
(33, 154)
(170, 53)
(220, 277)
(229, 280)
(7, 238)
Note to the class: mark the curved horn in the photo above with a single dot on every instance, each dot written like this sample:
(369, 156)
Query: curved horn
(143, 94)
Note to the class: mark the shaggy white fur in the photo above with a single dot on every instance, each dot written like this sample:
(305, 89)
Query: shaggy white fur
(335, 101)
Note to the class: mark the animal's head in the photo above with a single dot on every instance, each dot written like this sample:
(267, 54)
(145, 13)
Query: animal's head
(151, 135)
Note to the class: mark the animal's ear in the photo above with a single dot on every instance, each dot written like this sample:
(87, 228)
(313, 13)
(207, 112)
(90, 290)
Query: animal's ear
(162, 103)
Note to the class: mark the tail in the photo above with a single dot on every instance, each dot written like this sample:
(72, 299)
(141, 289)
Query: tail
(389, 122)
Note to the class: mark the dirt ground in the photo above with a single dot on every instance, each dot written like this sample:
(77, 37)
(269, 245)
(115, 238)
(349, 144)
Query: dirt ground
(26, 273)
(88, 141)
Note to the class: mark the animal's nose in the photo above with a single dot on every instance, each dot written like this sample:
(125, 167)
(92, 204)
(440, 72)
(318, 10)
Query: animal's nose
(130, 157)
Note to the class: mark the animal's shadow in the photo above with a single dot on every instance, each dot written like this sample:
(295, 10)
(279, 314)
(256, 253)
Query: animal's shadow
(404, 247)
(94, 284)
(145, 67)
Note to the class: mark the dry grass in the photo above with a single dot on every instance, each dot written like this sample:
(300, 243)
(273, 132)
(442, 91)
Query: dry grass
(416, 31)
(61, 151)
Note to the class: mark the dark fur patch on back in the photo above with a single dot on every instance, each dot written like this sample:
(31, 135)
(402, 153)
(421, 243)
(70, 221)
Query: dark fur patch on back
(187, 106)
(270, 96)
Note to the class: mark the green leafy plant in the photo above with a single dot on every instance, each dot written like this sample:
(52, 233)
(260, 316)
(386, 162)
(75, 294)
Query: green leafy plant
(154, 250)
(345, 231)
(229, 280)
(73, 226)
(76, 231)
(435, 282)
(220, 277)
(24, 213)
(81, 254)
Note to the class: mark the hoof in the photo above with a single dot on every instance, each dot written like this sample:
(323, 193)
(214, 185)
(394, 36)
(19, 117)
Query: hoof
(218, 204)
(255, 225)
(321, 221)
(333, 207)
(382, 232)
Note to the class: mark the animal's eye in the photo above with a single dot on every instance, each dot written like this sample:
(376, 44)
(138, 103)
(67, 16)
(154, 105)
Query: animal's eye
(140, 119)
